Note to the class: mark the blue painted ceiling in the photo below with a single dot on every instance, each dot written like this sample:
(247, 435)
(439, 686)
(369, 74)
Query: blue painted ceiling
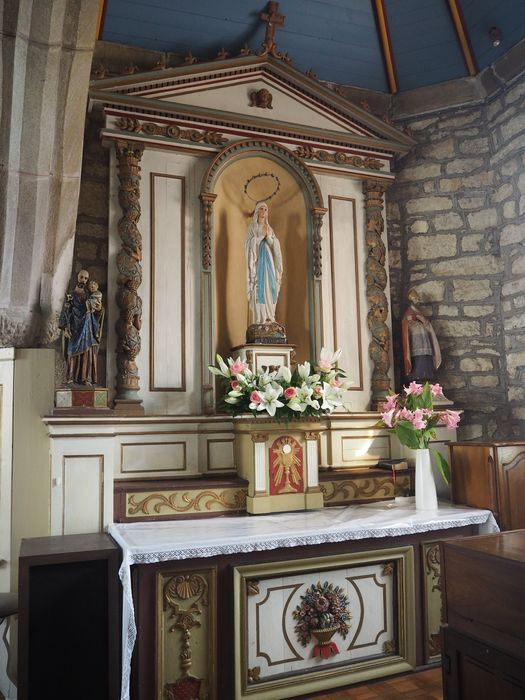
(338, 39)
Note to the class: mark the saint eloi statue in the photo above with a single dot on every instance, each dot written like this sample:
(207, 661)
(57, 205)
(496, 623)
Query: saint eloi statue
(421, 352)
(264, 275)
(81, 324)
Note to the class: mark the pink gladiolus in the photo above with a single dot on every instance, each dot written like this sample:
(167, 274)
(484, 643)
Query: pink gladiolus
(255, 397)
(414, 388)
(324, 365)
(436, 389)
(387, 417)
(450, 419)
(238, 367)
(235, 384)
(417, 419)
(290, 392)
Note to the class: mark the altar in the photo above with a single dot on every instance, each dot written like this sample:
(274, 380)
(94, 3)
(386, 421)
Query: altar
(217, 606)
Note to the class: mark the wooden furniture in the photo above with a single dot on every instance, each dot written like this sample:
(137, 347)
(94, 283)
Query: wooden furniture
(69, 631)
(484, 595)
(214, 600)
(491, 475)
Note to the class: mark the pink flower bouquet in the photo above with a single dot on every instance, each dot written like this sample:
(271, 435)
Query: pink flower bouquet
(412, 417)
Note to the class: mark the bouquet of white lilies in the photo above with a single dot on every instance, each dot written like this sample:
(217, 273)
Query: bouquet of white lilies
(308, 390)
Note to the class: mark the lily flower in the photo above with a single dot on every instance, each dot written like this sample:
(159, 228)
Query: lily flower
(328, 359)
(270, 401)
(221, 371)
(332, 397)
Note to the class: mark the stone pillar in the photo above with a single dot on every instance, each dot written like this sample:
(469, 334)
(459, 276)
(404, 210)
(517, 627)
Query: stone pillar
(129, 279)
(47, 48)
(376, 281)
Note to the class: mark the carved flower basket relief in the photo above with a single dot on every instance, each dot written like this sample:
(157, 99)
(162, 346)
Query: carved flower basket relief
(323, 612)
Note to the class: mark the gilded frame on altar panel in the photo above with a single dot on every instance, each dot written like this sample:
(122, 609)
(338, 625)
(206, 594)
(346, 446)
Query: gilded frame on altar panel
(327, 678)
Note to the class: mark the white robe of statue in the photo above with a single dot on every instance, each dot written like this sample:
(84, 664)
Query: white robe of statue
(265, 267)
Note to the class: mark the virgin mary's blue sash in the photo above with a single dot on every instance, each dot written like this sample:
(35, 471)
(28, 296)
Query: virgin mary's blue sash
(265, 267)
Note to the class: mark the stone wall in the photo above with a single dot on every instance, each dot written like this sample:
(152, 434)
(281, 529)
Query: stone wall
(456, 234)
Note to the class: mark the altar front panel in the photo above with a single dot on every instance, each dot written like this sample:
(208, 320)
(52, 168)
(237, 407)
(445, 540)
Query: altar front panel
(270, 614)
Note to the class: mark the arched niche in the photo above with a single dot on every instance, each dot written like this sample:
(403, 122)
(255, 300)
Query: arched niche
(240, 176)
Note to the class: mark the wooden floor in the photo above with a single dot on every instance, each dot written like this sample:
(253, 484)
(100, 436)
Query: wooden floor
(425, 685)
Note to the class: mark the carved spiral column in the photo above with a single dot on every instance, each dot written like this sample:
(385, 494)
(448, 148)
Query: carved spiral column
(207, 357)
(129, 279)
(376, 281)
(317, 264)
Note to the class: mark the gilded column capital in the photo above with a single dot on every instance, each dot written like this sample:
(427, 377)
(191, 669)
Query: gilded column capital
(259, 437)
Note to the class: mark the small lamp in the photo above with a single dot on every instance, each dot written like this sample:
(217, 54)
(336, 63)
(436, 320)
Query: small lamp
(495, 36)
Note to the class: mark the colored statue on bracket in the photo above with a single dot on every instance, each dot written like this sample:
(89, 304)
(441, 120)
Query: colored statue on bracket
(81, 323)
(421, 352)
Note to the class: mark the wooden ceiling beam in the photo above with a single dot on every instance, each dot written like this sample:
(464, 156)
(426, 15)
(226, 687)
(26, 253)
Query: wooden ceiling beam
(386, 45)
(462, 35)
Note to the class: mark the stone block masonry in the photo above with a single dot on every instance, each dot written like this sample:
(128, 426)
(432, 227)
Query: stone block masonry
(456, 221)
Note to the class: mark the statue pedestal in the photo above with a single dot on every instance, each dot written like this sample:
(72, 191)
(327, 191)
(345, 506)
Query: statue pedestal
(280, 461)
(81, 400)
(257, 356)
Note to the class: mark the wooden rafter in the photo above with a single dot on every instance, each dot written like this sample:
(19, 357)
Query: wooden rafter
(386, 45)
(463, 39)
(101, 16)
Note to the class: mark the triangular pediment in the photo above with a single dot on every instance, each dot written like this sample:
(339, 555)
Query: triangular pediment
(220, 92)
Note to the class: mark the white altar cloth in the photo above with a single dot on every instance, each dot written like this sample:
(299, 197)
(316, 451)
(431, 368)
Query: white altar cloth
(147, 543)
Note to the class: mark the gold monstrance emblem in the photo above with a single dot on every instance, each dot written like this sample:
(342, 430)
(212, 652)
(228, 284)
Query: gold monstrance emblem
(287, 464)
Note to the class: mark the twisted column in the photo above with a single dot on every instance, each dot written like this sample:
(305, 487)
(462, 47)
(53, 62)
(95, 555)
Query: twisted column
(376, 281)
(129, 279)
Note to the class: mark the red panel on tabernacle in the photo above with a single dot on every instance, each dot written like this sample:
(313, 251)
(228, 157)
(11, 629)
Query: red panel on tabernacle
(286, 466)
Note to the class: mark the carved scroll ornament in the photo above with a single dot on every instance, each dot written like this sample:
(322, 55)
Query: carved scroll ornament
(310, 153)
(171, 131)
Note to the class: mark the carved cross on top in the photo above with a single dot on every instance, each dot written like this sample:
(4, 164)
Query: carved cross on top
(273, 20)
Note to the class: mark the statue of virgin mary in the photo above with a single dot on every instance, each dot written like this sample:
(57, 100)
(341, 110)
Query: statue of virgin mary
(265, 267)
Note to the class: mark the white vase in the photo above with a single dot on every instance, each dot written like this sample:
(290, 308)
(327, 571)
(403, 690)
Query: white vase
(426, 496)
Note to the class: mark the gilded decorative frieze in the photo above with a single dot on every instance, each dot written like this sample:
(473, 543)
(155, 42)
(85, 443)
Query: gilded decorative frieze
(171, 131)
(187, 501)
(309, 153)
(363, 488)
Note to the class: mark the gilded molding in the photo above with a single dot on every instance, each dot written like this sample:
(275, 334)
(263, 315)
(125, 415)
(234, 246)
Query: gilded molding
(259, 437)
(252, 587)
(309, 153)
(254, 674)
(260, 147)
(129, 273)
(389, 646)
(182, 502)
(312, 435)
(376, 281)
(171, 131)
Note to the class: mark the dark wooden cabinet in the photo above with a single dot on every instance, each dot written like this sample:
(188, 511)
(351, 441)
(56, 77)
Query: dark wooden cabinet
(484, 597)
(69, 618)
(490, 475)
